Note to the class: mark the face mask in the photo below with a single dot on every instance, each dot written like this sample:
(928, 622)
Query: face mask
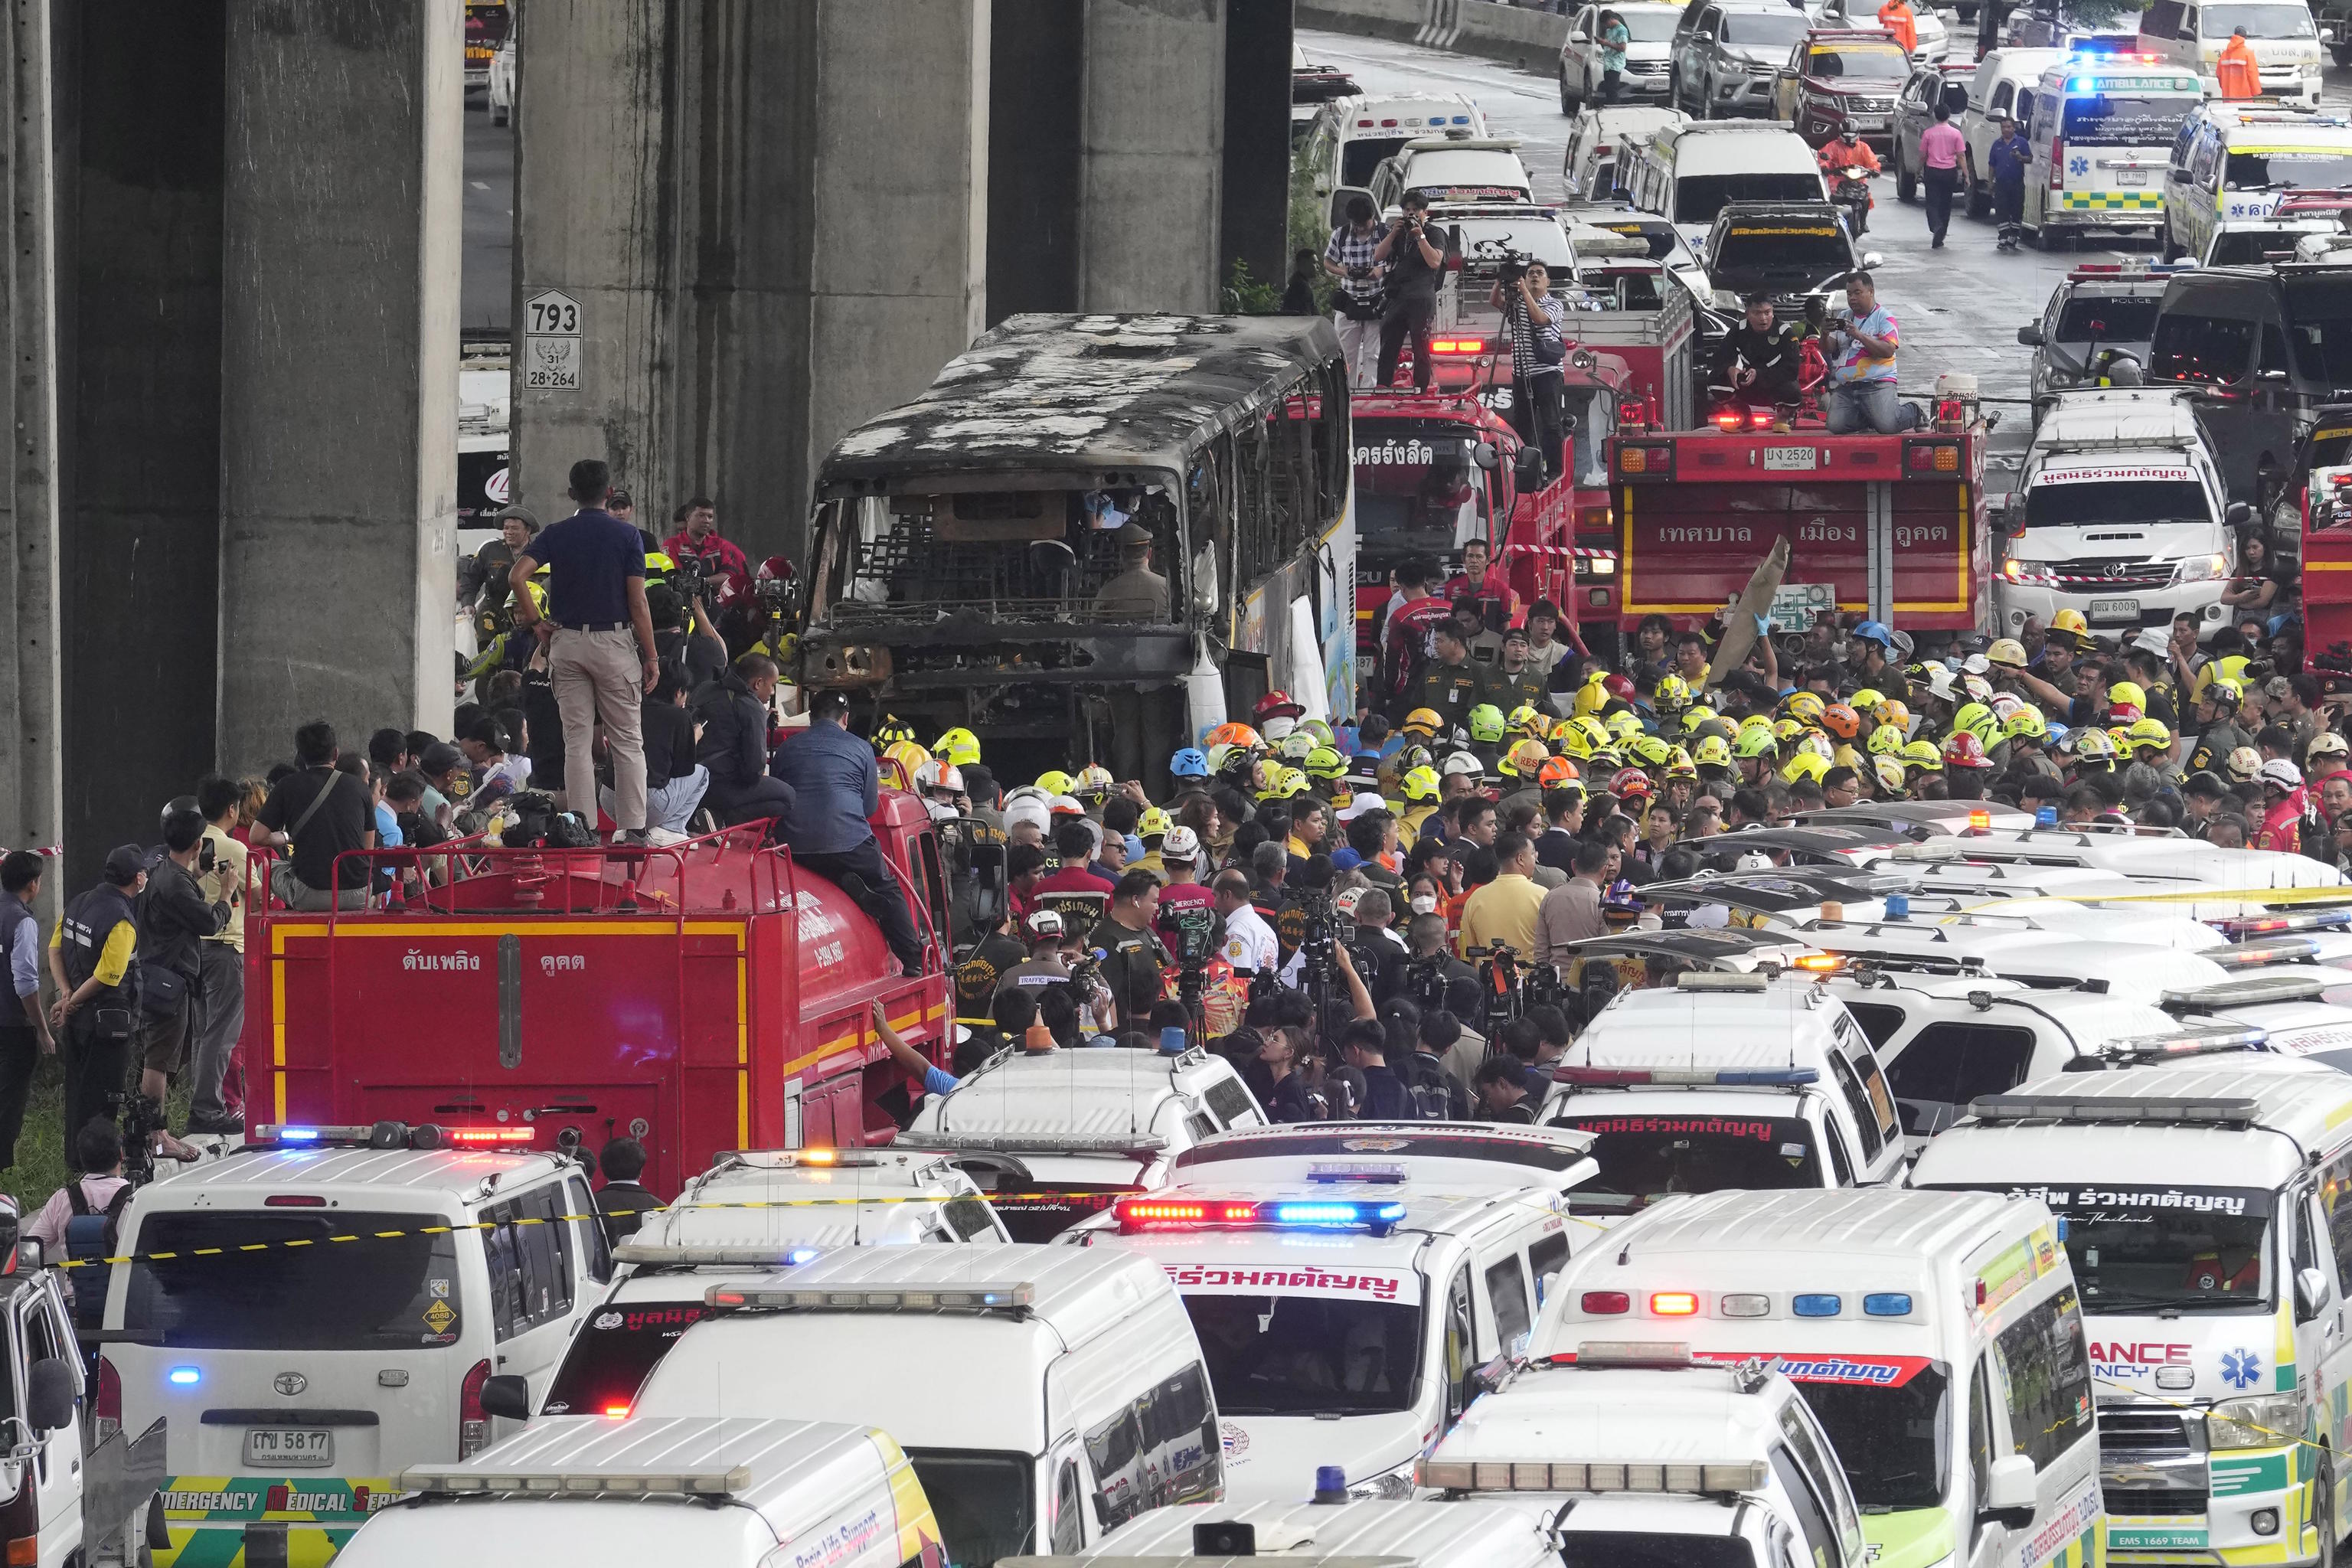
(1424, 903)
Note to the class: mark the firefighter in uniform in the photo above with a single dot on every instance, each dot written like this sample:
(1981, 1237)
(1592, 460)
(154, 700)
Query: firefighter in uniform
(93, 955)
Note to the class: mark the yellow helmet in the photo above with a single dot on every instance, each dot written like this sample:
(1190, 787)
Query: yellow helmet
(1804, 765)
(1785, 729)
(1526, 720)
(1890, 774)
(1711, 751)
(1606, 759)
(2129, 692)
(1294, 747)
(2221, 688)
(2070, 621)
(1697, 715)
(1487, 724)
(1803, 705)
(1894, 712)
(1596, 734)
(2026, 721)
(1969, 716)
(1524, 760)
(1679, 765)
(1886, 740)
(1621, 725)
(1325, 763)
(1153, 823)
(1093, 779)
(1291, 785)
(960, 747)
(1650, 751)
(1590, 697)
(1054, 781)
(2093, 744)
(1420, 783)
(659, 560)
(1866, 699)
(1921, 757)
(1754, 743)
(1423, 722)
(1847, 757)
(2150, 735)
(2006, 651)
(892, 730)
(1673, 695)
(1571, 741)
(1756, 721)
(910, 756)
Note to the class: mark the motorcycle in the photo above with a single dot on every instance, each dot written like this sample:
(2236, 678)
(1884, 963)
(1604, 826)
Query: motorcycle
(1850, 193)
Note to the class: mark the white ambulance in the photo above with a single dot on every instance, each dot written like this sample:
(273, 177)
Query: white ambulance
(1332, 1532)
(2205, 1212)
(1655, 1458)
(1346, 1281)
(2102, 129)
(1936, 1337)
(2235, 161)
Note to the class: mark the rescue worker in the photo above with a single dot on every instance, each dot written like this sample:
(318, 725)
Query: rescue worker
(733, 713)
(2237, 74)
(836, 788)
(2009, 158)
(1760, 365)
(1849, 150)
(1896, 16)
(93, 955)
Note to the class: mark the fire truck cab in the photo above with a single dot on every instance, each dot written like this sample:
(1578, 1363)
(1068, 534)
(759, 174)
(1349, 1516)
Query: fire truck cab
(708, 996)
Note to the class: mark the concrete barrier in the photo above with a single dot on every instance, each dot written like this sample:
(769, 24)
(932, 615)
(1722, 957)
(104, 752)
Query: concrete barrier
(1528, 39)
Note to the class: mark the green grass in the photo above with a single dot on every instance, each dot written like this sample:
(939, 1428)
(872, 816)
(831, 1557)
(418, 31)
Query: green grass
(40, 1167)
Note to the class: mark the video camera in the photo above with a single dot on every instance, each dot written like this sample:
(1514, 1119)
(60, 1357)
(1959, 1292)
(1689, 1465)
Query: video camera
(140, 1119)
(1311, 926)
(688, 576)
(1498, 985)
(1195, 927)
(1510, 263)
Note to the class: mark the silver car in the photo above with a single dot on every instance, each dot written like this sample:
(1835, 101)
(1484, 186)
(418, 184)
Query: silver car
(1652, 26)
(1728, 54)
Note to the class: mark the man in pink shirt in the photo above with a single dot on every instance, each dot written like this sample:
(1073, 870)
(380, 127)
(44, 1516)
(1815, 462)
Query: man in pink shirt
(1940, 147)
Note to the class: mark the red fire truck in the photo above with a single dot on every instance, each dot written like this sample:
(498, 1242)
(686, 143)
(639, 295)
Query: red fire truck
(1893, 526)
(708, 996)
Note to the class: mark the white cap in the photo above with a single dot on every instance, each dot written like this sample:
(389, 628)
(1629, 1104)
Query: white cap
(1045, 923)
(1362, 802)
(1179, 843)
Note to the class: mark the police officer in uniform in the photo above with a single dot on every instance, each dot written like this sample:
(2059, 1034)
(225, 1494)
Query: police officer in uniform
(94, 957)
(1449, 685)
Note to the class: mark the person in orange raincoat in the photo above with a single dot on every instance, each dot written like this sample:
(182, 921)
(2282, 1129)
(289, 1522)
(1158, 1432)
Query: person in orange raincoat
(1896, 18)
(2236, 74)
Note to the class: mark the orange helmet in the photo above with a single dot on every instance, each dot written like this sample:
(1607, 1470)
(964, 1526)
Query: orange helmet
(1235, 735)
(1559, 771)
(1840, 720)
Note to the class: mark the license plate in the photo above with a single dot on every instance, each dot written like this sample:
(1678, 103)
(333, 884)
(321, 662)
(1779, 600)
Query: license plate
(289, 1448)
(2115, 609)
(1791, 460)
(2131, 176)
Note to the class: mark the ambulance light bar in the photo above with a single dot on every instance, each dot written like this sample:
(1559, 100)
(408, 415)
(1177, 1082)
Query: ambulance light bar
(2249, 991)
(1322, 1170)
(771, 1256)
(2152, 1110)
(1016, 1298)
(2183, 1043)
(2273, 925)
(383, 1135)
(2269, 949)
(1717, 980)
(1539, 1475)
(1649, 1354)
(446, 1480)
(1137, 1215)
(995, 1144)
(1725, 1078)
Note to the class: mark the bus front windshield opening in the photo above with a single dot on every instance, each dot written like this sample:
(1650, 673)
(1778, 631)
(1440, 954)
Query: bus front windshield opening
(1418, 492)
(1308, 1355)
(2164, 1248)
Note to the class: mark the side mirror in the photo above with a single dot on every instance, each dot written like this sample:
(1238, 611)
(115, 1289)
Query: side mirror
(50, 1391)
(2030, 336)
(1491, 1376)
(1484, 454)
(28, 1254)
(2310, 1294)
(2009, 1493)
(1871, 259)
(1341, 197)
(508, 1396)
(2238, 515)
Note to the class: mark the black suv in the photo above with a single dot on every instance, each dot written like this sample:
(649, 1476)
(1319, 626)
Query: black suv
(2263, 348)
(1786, 249)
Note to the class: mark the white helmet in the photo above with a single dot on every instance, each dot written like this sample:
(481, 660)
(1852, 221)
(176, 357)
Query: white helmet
(1461, 763)
(939, 776)
(1180, 844)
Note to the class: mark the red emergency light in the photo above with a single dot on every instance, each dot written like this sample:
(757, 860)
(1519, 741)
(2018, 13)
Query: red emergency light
(1457, 345)
(487, 1135)
(1728, 419)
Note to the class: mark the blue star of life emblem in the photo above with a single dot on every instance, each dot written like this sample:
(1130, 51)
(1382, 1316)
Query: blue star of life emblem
(2078, 165)
(2240, 1368)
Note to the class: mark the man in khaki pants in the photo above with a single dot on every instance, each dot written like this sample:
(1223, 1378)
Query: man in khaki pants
(600, 644)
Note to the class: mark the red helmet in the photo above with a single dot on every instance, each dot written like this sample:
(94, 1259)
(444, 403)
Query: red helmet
(1627, 783)
(1619, 688)
(775, 569)
(1964, 750)
(1277, 705)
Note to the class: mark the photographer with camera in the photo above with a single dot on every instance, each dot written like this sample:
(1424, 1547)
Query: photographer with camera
(221, 863)
(1352, 258)
(1522, 292)
(1133, 955)
(1416, 262)
(719, 563)
(174, 918)
(1379, 952)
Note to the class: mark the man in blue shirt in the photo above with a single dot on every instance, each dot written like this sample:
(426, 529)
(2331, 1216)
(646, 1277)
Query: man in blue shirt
(599, 635)
(835, 790)
(2009, 158)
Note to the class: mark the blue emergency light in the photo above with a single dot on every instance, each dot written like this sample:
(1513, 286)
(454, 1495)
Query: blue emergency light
(1727, 1077)
(185, 1376)
(298, 1135)
(1166, 1214)
(1816, 1306)
(1887, 1304)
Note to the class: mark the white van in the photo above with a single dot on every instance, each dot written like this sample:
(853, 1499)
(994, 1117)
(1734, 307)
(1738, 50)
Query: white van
(1499, 1532)
(1685, 173)
(2235, 161)
(1346, 1279)
(1603, 144)
(2203, 1208)
(1045, 1394)
(717, 1493)
(753, 1213)
(370, 1284)
(2125, 516)
(1352, 135)
(1723, 1081)
(2101, 131)
(1936, 1336)
(2007, 83)
(2191, 34)
(1664, 1458)
(1056, 1135)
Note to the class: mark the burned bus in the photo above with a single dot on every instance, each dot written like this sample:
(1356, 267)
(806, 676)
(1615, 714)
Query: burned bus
(1093, 539)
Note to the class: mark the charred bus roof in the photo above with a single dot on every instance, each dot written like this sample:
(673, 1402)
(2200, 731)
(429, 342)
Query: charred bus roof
(1102, 399)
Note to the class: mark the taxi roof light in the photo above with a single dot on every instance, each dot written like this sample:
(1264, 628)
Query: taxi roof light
(1016, 1298)
(445, 1480)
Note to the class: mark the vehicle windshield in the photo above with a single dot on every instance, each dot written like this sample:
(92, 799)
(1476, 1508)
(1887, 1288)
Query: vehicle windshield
(2261, 21)
(2114, 501)
(1591, 419)
(2312, 169)
(2126, 120)
(2319, 327)
(981, 1500)
(1861, 62)
(2112, 320)
(294, 1291)
(1643, 1157)
(1650, 27)
(1756, 30)
(1657, 233)
(611, 1353)
(1417, 491)
(2150, 1248)
(1631, 1549)
(1308, 1355)
(1895, 1442)
(1360, 157)
(2254, 247)
(1810, 251)
(1698, 197)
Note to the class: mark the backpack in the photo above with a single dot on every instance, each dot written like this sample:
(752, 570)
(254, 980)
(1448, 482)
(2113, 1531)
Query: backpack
(90, 1235)
(1435, 1096)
